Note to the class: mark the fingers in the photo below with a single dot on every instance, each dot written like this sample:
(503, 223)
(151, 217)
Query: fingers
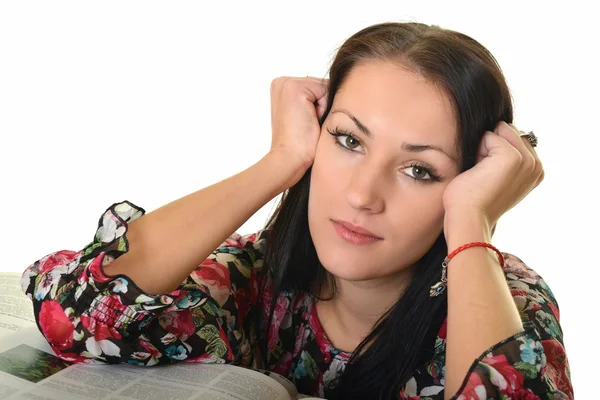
(511, 134)
(526, 149)
(321, 105)
(521, 134)
(318, 87)
(491, 144)
(320, 93)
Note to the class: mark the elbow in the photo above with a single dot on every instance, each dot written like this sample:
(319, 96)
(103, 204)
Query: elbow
(56, 326)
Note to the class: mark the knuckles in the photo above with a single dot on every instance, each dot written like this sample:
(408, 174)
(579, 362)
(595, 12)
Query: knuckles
(284, 83)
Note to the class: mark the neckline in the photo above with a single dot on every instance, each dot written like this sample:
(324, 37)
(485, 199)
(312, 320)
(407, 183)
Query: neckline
(323, 341)
(327, 347)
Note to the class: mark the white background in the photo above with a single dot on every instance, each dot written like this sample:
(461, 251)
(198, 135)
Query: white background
(148, 101)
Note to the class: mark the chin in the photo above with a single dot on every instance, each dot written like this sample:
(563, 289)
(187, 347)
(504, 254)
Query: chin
(342, 260)
(349, 268)
(353, 276)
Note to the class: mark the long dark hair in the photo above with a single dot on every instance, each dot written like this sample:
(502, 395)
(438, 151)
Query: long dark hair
(403, 339)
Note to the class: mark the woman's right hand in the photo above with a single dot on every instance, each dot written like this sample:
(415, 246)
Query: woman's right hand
(297, 105)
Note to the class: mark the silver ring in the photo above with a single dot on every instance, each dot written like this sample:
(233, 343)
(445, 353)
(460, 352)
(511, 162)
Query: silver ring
(531, 137)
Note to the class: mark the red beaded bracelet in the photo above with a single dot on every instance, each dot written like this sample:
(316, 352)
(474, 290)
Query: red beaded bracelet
(439, 287)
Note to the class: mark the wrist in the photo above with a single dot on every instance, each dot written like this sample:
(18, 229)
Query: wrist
(465, 226)
(290, 166)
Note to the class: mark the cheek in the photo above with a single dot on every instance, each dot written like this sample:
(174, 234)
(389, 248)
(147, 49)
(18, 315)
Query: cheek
(320, 180)
(326, 187)
(327, 170)
(421, 216)
(417, 226)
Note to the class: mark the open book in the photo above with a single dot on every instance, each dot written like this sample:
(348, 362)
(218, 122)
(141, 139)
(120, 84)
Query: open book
(30, 370)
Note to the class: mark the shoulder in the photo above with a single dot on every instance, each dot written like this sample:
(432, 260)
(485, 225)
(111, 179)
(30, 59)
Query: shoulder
(523, 279)
(239, 254)
(533, 296)
(252, 244)
(231, 270)
(242, 251)
(516, 268)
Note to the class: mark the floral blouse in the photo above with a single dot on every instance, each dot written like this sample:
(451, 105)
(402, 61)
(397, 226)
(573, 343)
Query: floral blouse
(88, 316)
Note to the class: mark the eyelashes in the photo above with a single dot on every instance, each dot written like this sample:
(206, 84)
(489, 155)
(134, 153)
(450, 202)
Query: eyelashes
(339, 132)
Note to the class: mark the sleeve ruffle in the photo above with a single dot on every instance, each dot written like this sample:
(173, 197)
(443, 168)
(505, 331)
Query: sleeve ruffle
(89, 316)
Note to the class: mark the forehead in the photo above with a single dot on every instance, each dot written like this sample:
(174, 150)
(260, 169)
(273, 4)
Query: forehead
(392, 100)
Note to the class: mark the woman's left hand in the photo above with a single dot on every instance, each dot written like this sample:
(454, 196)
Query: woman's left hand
(507, 169)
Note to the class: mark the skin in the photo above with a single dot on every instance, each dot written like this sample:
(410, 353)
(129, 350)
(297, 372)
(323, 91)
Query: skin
(373, 187)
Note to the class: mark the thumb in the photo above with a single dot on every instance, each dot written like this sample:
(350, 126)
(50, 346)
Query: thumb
(491, 144)
(321, 104)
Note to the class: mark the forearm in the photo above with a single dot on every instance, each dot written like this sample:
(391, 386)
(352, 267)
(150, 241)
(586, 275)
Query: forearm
(167, 244)
(481, 310)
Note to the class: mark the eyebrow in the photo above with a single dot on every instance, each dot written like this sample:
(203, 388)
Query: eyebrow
(413, 148)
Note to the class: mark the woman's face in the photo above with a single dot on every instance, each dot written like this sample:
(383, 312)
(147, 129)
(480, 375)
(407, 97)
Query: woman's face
(370, 183)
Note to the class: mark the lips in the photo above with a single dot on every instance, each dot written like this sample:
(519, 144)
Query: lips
(357, 229)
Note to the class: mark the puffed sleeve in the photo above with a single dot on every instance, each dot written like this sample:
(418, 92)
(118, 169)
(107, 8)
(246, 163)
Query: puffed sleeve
(89, 316)
(532, 364)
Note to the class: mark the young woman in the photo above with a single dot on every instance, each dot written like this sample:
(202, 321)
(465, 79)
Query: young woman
(375, 277)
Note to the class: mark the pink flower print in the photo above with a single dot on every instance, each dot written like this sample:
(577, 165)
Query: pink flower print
(55, 325)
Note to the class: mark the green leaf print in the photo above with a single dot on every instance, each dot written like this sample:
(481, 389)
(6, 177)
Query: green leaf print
(62, 297)
(197, 319)
(209, 333)
(528, 370)
(65, 290)
(145, 322)
(209, 308)
(79, 290)
(93, 246)
(216, 345)
(310, 366)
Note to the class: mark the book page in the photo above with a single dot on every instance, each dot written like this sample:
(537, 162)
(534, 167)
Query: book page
(16, 310)
(30, 370)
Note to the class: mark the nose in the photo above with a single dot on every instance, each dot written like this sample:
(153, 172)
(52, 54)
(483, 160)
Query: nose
(365, 189)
